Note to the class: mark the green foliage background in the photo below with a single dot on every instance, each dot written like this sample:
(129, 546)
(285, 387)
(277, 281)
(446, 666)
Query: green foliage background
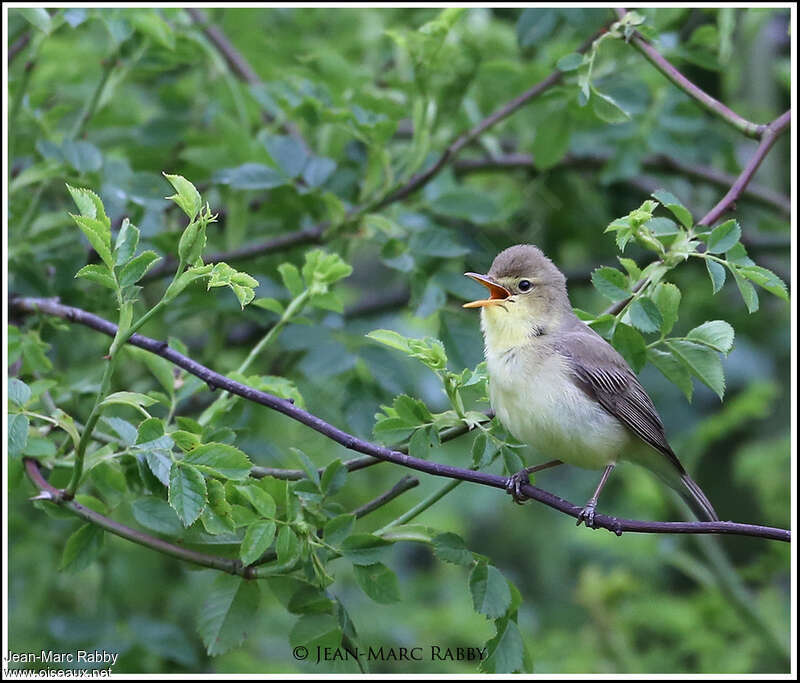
(118, 96)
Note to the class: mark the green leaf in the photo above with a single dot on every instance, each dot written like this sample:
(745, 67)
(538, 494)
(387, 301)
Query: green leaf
(611, 283)
(338, 528)
(724, 237)
(129, 398)
(489, 588)
(18, 391)
(333, 478)
(314, 631)
(187, 197)
(99, 237)
(155, 514)
(668, 299)
(17, 434)
(187, 492)
(287, 546)
(89, 204)
(716, 272)
(390, 338)
(673, 368)
(184, 279)
(703, 362)
(251, 176)
(450, 547)
(291, 278)
(288, 152)
(506, 651)
(257, 539)
(765, 278)
(262, 501)
(631, 345)
(378, 582)
(644, 315)
(150, 23)
(135, 269)
(748, 292)
(552, 138)
(99, 274)
(269, 304)
(38, 16)
(221, 460)
(671, 202)
(607, 109)
(83, 156)
(570, 62)
(192, 242)
(228, 613)
(717, 334)
(364, 548)
(82, 548)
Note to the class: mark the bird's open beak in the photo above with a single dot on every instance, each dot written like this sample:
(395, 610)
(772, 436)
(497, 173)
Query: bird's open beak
(497, 293)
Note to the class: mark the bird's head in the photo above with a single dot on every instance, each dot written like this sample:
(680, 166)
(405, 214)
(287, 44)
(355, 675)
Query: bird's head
(527, 297)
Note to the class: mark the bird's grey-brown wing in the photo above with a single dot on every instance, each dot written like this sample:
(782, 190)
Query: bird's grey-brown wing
(604, 375)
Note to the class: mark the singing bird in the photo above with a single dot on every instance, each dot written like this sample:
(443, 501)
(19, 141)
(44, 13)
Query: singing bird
(561, 388)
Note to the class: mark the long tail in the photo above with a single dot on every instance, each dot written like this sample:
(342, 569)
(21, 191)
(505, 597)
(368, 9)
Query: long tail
(694, 497)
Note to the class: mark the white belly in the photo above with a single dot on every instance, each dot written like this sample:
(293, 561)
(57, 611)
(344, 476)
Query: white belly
(543, 408)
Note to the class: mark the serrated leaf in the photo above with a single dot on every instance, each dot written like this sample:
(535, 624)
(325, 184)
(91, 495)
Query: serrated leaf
(607, 109)
(765, 278)
(228, 613)
(262, 501)
(155, 514)
(99, 274)
(671, 202)
(257, 539)
(611, 283)
(748, 292)
(450, 547)
(644, 315)
(99, 237)
(364, 548)
(489, 588)
(221, 460)
(703, 362)
(269, 304)
(673, 369)
(17, 434)
(130, 398)
(291, 278)
(717, 334)
(506, 651)
(724, 237)
(187, 492)
(631, 345)
(314, 631)
(287, 546)
(135, 269)
(338, 528)
(378, 582)
(716, 272)
(187, 197)
(82, 548)
(668, 299)
(18, 391)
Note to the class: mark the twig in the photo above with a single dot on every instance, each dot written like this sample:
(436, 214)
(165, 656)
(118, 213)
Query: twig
(18, 46)
(771, 133)
(405, 484)
(238, 64)
(214, 379)
(748, 128)
(57, 497)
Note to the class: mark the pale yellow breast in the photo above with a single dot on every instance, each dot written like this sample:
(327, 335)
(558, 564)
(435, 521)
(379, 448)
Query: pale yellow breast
(534, 398)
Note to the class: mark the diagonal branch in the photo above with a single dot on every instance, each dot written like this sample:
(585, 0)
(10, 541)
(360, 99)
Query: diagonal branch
(214, 379)
(748, 128)
(405, 484)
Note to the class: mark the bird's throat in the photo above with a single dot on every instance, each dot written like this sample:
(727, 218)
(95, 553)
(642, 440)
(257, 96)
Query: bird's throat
(509, 326)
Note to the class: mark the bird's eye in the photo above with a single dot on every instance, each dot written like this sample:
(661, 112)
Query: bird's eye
(525, 285)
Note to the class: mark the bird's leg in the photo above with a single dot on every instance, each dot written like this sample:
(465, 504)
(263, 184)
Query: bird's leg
(586, 515)
(516, 481)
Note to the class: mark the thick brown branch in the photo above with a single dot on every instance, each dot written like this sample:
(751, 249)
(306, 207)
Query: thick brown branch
(214, 379)
(236, 61)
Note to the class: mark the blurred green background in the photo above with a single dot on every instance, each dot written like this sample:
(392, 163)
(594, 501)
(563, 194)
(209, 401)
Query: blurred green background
(353, 83)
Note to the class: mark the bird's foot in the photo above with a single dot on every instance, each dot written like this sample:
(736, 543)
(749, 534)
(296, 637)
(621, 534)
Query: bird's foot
(515, 484)
(586, 515)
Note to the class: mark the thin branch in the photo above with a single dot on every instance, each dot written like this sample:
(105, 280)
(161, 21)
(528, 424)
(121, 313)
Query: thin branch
(18, 46)
(236, 61)
(658, 162)
(58, 497)
(214, 379)
(771, 133)
(405, 484)
(748, 128)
